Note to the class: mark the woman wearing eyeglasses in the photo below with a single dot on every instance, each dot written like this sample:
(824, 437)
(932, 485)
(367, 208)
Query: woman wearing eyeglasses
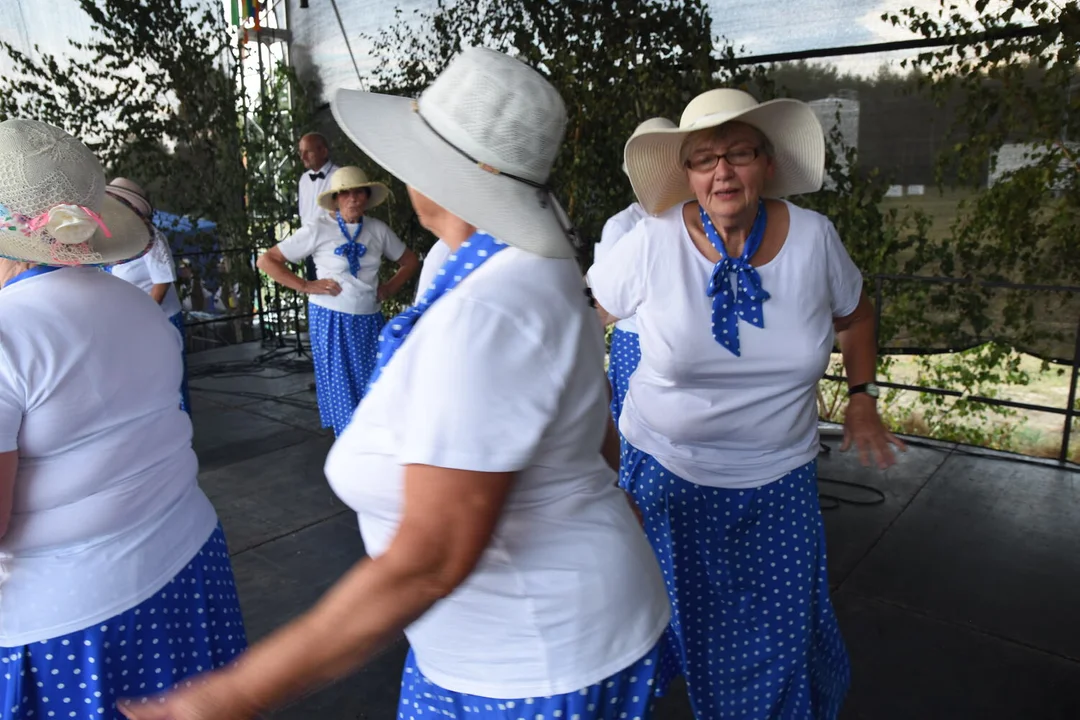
(345, 301)
(738, 298)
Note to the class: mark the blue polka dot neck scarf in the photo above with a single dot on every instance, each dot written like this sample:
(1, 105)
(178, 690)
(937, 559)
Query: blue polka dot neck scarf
(473, 253)
(352, 249)
(743, 303)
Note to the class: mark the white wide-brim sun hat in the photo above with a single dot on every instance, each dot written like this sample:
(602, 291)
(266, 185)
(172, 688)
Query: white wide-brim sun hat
(480, 142)
(53, 206)
(351, 177)
(659, 179)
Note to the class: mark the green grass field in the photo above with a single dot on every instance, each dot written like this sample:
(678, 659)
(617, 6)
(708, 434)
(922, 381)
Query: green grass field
(940, 206)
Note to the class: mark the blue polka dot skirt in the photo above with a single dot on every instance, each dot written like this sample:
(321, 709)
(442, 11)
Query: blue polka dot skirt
(343, 348)
(185, 396)
(626, 695)
(622, 362)
(752, 623)
(193, 624)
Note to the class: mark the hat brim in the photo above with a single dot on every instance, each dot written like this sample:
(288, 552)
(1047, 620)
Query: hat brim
(129, 237)
(659, 179)
(379, 195)
(140, 203)
(391, 133)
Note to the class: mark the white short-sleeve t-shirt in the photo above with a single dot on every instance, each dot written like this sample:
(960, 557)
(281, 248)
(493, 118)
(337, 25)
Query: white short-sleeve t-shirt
(320, 237)
(107, 508)
(618, 225)
(505, 374)
(706, 415)
(154, 268)
(435, 259)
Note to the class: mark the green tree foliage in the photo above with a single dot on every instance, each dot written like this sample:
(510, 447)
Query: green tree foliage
(615, 63)
(1022, 228)
(152, 94)
(157, 95)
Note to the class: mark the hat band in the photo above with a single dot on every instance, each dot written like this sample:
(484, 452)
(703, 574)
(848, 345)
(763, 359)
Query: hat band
(545, 190)
(482, 165)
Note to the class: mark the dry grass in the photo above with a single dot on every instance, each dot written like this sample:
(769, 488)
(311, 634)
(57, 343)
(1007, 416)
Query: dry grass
(1029, 432)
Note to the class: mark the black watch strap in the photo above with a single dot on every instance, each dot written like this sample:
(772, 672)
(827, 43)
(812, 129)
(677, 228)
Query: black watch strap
(869, 388)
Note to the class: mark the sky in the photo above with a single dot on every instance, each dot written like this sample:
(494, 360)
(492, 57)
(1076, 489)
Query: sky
(758, 26)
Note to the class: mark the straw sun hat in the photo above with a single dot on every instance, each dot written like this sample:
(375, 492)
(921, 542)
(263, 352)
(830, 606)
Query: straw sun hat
(656, 123)
(53, 205)
(351, 177)
(652, 157)
(480, 142)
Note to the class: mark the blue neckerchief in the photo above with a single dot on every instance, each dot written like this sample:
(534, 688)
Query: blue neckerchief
(36, 270)
(473, 253)
(352, 249)
(730, 306)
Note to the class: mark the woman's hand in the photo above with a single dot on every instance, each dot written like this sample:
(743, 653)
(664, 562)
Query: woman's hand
(863, 428)
(449, 518)
(408, 265)
(321, 287)
(207, 697)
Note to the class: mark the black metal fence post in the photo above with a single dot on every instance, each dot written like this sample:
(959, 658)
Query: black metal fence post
(1070, 412)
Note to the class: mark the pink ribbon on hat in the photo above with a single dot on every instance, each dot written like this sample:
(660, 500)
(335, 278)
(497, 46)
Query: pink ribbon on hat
(31, 225)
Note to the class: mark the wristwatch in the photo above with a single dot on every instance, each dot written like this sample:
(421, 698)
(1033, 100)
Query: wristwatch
(869, 388)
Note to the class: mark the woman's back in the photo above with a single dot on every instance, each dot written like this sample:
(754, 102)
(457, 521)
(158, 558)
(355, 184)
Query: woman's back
(505, 373)
(106, 504)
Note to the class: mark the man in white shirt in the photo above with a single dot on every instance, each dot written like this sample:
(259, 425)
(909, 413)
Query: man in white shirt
(315, 155)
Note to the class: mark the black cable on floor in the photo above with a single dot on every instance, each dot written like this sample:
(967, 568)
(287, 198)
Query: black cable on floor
(828, 501)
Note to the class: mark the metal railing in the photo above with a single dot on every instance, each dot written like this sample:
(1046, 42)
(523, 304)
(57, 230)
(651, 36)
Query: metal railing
(1069, 411)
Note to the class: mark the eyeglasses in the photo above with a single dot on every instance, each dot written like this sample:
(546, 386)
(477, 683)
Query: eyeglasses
(738, 157)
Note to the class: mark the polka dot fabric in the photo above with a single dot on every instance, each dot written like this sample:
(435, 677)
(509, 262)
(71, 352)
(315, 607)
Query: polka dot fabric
(744, 303)
(185, 396)
(622, 362)
(467, 259)
(343, 348)
(752, 623)
(191, 625)
(626, 695)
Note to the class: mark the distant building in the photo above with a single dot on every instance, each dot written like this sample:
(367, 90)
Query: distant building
(1014, 156)
(839, 113)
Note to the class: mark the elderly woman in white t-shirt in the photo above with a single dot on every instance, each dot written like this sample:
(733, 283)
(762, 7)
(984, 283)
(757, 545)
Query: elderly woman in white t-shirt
(114, 573)
(499, 542)
(738, 298)
(345, 305)
(155, 272)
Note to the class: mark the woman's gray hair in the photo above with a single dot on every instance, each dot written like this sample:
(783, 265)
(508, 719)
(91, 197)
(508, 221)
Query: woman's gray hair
(696, 139)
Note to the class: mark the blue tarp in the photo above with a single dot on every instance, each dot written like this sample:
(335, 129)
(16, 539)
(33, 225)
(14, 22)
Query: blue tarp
(186, 237)
(185, 234)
